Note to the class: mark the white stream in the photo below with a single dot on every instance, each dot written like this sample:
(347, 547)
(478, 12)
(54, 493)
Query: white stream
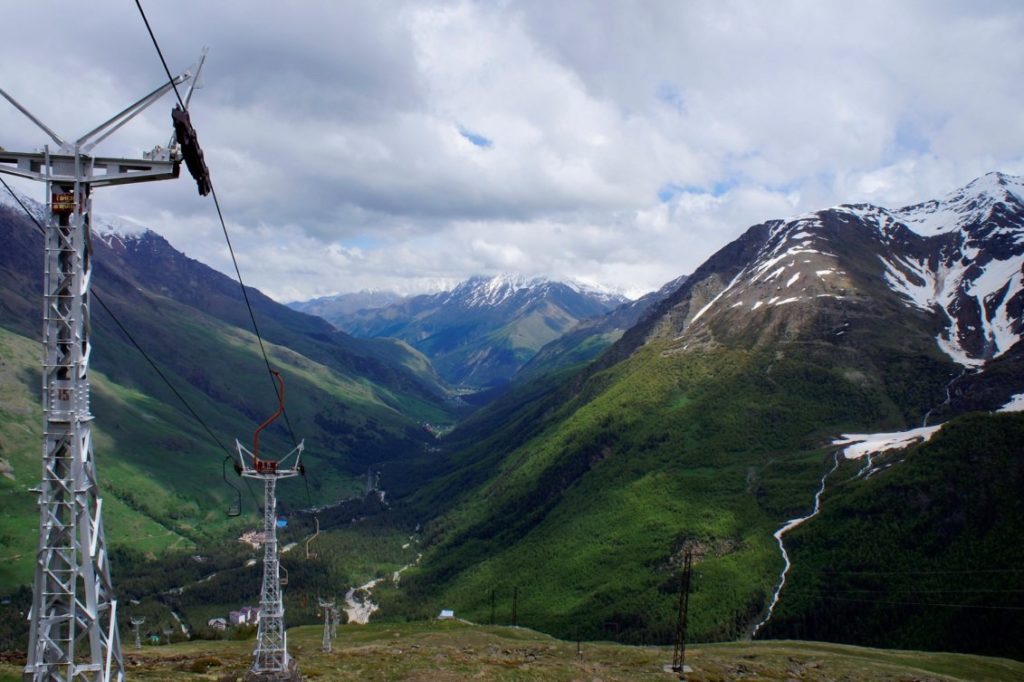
(788, 526)
(358, 604)
(360, 610)
(949, 397)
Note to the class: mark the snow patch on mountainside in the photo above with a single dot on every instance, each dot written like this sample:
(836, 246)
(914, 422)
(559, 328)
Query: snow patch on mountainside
(37, 209)
(118, 226)
(107, 228)
(1015, 404)
(993, 290)
(860, 444)
(792, 267)
(997, 285)
(715, 299)
(977, 278)
(116, 231)
(913, 280)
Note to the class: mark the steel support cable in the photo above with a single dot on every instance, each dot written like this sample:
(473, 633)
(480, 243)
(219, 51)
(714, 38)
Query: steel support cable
(925, 572)
(131, 338)
(899, 591)
(252, 315)
(224, 228)
(159, 52)
(910, 603)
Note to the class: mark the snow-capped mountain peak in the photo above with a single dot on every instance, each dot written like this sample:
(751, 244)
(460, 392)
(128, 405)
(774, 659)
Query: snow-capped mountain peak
(968, 205)
(480, 291)
(959, 259)
(488, 292)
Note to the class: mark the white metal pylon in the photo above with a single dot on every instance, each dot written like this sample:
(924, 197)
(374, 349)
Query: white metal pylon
(74, 633)
(136, 622)
(328, 608)
(270, 657)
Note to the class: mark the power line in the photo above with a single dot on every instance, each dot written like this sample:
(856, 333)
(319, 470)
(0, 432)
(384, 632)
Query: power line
(224, 228)
(925, 572)
(899, 591)
(131, 338)
(128, 334)
(909, 603)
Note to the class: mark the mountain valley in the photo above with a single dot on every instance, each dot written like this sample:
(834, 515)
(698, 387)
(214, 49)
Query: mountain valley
(709, 424)
(608, 439)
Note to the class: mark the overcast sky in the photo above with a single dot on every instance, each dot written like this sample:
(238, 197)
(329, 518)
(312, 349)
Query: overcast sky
(403, 146)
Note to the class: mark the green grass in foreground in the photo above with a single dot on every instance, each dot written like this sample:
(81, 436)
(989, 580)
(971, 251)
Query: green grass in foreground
(459, 651)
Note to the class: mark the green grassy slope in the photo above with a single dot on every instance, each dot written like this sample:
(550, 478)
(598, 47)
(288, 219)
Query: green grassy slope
(160, 471)
(589, 512)
(144, 516)
(459, 651)
(355, 402)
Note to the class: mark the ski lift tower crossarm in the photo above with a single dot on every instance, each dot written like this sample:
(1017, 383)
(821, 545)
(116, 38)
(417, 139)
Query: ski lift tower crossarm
(73, 632)
(270, 657)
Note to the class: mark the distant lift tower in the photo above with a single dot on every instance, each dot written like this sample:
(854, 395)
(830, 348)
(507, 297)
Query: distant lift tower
(74, 633)
(270, 658)
(328, 608)
(679, 654)
(136, 623)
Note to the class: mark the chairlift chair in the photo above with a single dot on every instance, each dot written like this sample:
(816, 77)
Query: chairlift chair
(235, 506)
(312, 554)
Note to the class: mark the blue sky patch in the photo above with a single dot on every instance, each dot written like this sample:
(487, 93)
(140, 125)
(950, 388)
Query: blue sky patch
(720, 187)
(910, 138)
(476, 138)
(671, 190)
(670, 95)
(367, 242)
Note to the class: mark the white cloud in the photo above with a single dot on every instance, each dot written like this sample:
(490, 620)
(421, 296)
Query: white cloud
(336, 132)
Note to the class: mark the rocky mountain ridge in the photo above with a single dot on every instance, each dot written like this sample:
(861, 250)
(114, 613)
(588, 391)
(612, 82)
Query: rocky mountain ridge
(481, 332)
(959, 260)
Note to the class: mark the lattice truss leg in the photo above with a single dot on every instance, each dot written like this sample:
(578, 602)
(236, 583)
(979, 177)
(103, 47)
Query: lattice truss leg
(74, 610)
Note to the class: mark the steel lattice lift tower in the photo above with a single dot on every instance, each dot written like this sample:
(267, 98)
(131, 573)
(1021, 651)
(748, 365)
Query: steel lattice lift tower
(74, 633)
(270, 657)
(328, 608)
(136, 624)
